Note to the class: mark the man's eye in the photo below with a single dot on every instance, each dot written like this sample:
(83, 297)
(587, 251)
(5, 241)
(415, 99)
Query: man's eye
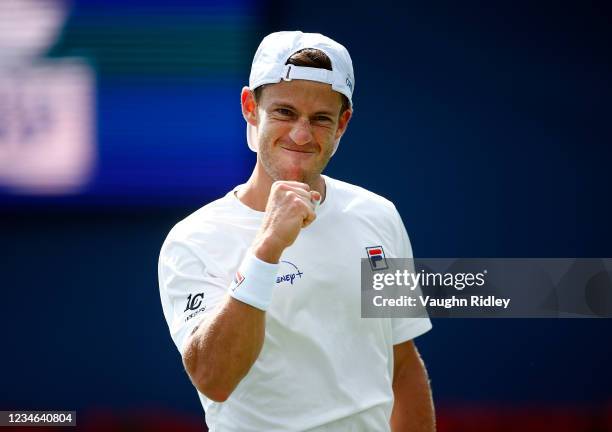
(323, 119)
(283, 111)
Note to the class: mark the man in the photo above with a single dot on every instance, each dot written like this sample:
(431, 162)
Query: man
(261, 288)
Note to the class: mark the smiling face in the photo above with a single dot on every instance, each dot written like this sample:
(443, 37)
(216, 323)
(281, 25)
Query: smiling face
(297, 125)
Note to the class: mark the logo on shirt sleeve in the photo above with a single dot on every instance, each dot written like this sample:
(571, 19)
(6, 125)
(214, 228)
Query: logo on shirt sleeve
(195, 303)
(376, 256)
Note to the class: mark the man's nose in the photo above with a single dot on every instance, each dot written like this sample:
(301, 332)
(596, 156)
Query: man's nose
(301, 133)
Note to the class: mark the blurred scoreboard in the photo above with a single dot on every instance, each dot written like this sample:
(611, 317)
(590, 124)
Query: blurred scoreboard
(116, 103)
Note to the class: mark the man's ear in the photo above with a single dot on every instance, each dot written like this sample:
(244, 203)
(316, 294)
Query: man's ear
(343, 122)
(249, 106)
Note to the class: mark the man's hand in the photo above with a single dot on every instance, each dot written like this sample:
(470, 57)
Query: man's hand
(290, 208)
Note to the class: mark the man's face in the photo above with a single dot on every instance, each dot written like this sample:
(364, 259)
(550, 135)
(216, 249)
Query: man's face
(298, 123)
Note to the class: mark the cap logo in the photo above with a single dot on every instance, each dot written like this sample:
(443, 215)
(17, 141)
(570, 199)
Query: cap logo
(349, 84)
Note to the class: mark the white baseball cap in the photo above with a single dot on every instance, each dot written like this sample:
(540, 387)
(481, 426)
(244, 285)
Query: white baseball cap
(275, 49)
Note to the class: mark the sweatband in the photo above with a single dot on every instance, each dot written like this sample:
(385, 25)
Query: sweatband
(254, 282)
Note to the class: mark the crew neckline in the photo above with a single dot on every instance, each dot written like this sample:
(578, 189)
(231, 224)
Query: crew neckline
(329, 193)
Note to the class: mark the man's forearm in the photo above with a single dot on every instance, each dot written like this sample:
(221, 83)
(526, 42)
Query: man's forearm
(224, 347)
(221, 351)
(413, 410)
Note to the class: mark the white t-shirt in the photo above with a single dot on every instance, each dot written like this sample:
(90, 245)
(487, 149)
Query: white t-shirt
(322, 367)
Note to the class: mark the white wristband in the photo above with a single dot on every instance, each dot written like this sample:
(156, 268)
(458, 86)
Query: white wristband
(254, 282)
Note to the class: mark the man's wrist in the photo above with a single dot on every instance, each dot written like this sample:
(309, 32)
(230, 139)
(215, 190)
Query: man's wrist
(254, 282)
(267, 250)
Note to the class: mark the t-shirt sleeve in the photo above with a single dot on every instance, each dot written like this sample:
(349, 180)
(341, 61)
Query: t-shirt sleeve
(405, 329)
(189, 288)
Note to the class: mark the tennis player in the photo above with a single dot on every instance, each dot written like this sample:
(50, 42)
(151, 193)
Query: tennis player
(261, 288)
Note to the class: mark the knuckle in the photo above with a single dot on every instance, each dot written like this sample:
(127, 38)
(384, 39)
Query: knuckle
(279, 185)
(297, 206)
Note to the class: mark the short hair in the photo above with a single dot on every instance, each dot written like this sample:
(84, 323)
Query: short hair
(314, 58)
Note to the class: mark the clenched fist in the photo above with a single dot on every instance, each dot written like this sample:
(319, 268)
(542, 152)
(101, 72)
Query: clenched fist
(290, 208)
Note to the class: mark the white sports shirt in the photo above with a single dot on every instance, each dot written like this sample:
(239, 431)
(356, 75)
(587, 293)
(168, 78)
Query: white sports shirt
(322, 367)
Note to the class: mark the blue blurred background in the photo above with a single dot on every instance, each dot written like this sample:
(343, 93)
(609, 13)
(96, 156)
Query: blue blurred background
(488, 124)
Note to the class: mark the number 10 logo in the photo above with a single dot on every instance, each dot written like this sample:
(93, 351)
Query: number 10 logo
(194, 301)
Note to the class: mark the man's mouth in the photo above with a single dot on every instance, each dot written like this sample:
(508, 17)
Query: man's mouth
(298, 150)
